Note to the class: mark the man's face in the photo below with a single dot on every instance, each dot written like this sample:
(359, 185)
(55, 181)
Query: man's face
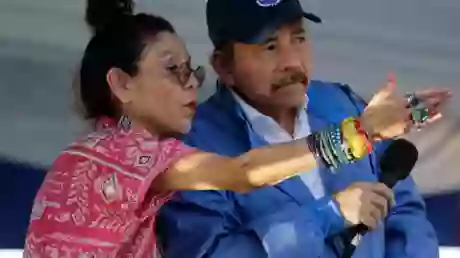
(275, 73)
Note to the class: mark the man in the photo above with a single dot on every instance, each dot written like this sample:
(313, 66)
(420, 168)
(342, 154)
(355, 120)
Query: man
(262, 58)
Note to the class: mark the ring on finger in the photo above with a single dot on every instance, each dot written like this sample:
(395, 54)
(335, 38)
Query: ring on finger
(419, 111)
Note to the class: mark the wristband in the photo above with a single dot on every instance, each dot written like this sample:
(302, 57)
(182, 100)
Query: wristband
(340, 144)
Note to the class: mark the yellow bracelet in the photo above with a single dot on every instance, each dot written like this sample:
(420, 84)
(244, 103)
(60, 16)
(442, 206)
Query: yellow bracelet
(357, 142)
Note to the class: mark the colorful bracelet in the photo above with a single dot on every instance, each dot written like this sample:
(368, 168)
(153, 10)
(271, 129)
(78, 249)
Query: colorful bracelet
(340, 144)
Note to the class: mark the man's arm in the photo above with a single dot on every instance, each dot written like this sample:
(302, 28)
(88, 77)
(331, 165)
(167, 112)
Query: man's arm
(207, 224)
(408, 233)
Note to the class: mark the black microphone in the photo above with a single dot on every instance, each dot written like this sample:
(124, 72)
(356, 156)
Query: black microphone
(396, 163)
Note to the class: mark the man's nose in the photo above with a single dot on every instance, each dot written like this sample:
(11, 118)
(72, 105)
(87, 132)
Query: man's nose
(289, 59)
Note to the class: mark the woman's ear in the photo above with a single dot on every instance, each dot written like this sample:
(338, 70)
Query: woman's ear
(119, 83)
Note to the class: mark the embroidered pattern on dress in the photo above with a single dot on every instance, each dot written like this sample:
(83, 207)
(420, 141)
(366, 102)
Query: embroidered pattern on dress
(93, 200)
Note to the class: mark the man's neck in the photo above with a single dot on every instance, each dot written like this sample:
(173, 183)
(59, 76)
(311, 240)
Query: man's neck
(284, 117)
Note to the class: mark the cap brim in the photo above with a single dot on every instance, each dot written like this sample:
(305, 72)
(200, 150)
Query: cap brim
(312, 17)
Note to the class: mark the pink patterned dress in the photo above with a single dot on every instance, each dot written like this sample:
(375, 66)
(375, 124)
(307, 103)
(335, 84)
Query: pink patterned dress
(96, 200)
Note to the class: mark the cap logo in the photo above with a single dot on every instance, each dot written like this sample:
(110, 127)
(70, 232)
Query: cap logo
(268, 3)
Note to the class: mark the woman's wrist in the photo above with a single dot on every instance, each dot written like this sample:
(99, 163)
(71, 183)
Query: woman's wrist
(356, 136)
(340, 144)
(368, 127)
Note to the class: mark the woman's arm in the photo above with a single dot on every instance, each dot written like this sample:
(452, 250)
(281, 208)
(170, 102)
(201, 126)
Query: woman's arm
(334, 146)
(255, 168)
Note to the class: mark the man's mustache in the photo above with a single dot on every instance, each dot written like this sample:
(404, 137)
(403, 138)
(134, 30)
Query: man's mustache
(291, 78)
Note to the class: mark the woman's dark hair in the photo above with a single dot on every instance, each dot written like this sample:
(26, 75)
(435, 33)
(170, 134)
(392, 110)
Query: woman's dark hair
(118, 40)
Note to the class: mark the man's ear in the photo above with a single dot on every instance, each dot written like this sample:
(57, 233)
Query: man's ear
(119, 83)
(222, 65)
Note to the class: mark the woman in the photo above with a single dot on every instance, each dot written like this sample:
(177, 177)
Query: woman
(102, 193)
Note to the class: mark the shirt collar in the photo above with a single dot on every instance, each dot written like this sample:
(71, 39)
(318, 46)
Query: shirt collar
(252, 113)
(268, 128)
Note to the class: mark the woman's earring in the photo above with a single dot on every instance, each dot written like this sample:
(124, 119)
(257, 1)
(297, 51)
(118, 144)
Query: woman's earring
(124, 123)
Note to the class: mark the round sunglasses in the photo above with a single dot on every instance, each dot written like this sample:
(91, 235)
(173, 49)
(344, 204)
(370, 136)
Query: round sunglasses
(184, 72)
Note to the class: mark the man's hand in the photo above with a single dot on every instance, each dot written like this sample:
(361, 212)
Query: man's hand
(365, 203)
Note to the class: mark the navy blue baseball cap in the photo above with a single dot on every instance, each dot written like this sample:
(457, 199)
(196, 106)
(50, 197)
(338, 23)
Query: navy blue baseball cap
(250, 21)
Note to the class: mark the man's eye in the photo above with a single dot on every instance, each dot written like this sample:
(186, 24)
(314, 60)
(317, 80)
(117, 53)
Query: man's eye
(301, 39)
(270, 47)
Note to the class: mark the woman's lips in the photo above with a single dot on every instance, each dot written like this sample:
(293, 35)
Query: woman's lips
(191, 107)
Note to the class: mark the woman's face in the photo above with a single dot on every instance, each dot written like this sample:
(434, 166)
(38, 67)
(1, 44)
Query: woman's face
(163, 94)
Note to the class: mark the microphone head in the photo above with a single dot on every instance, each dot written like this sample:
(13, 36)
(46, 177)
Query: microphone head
(397, 161)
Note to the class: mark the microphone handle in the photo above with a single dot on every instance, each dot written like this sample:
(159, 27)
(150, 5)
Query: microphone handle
(351, 233)
(354, 231)
(349, 250)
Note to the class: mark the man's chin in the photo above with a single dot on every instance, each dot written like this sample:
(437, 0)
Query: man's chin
(292, 93)
(292, 101)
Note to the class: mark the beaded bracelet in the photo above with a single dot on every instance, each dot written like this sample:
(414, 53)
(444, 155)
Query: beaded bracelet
(420, 113)
(340, 144)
